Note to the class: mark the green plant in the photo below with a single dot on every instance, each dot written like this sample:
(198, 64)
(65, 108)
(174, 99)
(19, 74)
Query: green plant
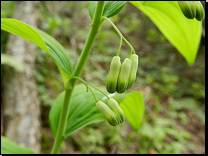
(73, 109)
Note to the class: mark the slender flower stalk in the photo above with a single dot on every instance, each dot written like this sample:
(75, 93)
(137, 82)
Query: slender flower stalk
(120, 34)
(87, 84)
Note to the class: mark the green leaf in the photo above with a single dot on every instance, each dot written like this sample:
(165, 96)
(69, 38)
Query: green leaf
(9, 60)
(23, 30)
(110, 9)
(133, 107)
(10, 147)
(91, 8)
(83, 110)
(183, 33)
(42, 40)
(58, 53)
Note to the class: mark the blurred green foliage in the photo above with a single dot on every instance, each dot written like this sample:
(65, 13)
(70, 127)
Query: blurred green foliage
(93, 139)
(176, 90)
(7, 8)
(9, 60)
(5, 13)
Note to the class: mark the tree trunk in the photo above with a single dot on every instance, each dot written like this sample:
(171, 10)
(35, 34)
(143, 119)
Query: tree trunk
(21, 109)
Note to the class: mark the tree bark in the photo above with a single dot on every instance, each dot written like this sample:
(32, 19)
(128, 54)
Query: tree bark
(21, 109)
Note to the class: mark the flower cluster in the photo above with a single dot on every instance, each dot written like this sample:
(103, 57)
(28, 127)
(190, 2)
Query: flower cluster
(122, 76)
(192, 9)
(112, 112)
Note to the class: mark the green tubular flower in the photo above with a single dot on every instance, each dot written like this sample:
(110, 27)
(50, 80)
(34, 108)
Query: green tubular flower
(111, 83)
(113, 105)
(123, 77)
(188, 9)
(132, 76)
(108, 113)
(199, 10)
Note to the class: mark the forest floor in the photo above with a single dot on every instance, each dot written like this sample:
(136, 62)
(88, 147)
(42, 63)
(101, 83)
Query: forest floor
(195, 128)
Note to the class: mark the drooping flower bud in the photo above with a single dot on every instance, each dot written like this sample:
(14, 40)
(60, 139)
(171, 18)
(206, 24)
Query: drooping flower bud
(132, 76)
(188, 9)
(108, 113)
(199, 10)
(111, 83)
(123, 77)
(114, 106)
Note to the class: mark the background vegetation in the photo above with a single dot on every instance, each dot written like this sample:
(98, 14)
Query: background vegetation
(174, 119)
